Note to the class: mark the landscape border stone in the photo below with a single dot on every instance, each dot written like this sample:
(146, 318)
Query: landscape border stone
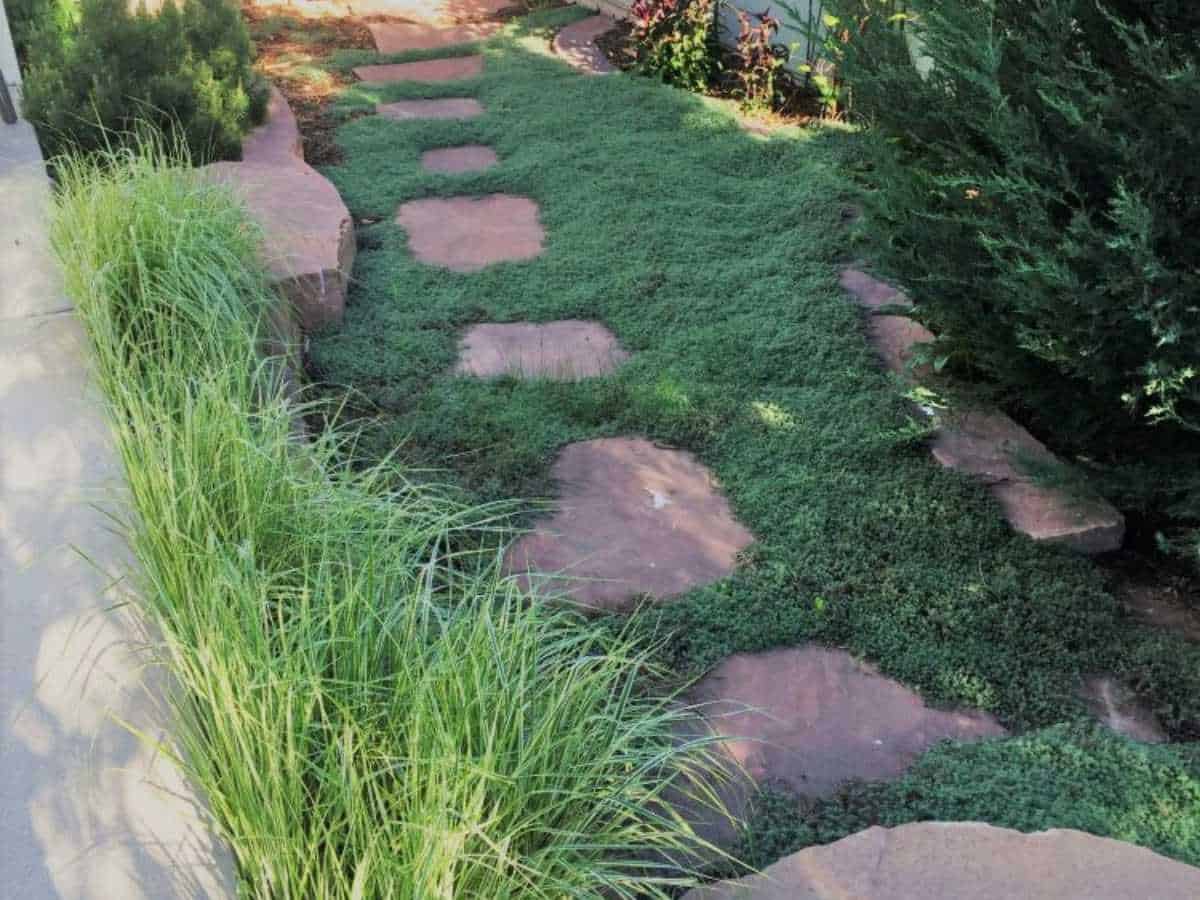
(986, 443)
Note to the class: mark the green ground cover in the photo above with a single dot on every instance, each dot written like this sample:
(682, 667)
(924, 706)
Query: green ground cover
(713, 255)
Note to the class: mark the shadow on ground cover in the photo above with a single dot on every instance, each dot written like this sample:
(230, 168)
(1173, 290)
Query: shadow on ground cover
(1066, 776)
(713, 256)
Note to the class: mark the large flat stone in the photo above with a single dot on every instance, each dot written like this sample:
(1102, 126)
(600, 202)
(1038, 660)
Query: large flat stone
(456, 160)
(309, 235)
(576, 44)
(450, 69)
(447, 108)
(565, 351)
(813, 718)
(955, 861)
(992, 447)
(399, 37)
(467, 234)
(277, 140)
(633, 520)
(986, 443)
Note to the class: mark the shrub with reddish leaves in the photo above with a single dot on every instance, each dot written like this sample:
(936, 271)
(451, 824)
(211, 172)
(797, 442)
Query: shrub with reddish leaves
(759, 58)
(675, 39)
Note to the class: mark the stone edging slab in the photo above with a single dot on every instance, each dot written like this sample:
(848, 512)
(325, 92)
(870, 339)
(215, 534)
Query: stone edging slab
(576, 45)
(988, 444)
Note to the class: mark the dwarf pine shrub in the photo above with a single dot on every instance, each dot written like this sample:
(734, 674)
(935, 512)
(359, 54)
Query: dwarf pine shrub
(92, 72)
(1038, 192)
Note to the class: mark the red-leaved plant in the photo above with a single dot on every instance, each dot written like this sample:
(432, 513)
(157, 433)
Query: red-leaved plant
(759, 58)
(674, 39)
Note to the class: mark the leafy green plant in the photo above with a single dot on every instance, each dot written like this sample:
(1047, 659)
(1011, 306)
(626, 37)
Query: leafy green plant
(1035, 183)
(90, 77)
(372, 710)
(674, 39)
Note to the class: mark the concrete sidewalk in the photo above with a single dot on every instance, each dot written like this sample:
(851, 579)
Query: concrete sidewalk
(89, 811)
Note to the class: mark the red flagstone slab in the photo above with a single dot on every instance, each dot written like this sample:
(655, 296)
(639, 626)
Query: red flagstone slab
(451, 69)
(895, 338)
(813, 718)
(987, 443)
(449, 108)
(961, 860)
(467, 234)
(426, 12)
(566, 351)
(278, 138)
(399, 37)
(992, 447)
(1119, 709)
(309, 235)
(454, 160)
(576, 44)
(634, 519)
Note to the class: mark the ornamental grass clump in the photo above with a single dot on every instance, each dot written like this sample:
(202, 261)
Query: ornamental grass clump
(372, 710)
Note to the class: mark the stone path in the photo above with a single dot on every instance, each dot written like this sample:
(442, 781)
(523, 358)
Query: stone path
(399, 37)
(576, 44)
(941, 861)
(468, 234)
(454, 160)
(988, 444)
(811, 718)
(634, 519)
(449, 108)
(454, 68)
(565, 351)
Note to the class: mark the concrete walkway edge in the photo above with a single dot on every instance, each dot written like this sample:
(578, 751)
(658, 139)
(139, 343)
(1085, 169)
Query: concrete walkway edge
(90, 811)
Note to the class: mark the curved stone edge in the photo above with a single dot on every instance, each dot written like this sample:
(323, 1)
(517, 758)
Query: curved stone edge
(986, 443)
(309, 234)
(951, 860)
(278, 138)
(576, 45)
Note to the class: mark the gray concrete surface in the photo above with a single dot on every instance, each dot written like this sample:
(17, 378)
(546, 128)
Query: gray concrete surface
(89, 812)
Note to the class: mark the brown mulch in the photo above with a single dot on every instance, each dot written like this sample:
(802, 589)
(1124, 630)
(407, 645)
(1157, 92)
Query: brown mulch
(292, 51)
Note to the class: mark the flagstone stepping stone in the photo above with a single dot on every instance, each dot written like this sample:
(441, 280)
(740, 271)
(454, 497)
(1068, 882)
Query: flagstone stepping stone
(467, 234)
(988, 444)
(399, 37)
(951, 861)
(451, 69)
(447, 108)
(576, 44)
(633, 520)
(566, 351)
(812, 718)
(455, 160)
(1119, 709)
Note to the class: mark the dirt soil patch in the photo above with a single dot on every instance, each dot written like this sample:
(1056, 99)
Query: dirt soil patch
(292, 52)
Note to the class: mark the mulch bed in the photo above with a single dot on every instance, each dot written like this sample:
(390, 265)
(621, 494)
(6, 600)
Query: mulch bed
(288, 44)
